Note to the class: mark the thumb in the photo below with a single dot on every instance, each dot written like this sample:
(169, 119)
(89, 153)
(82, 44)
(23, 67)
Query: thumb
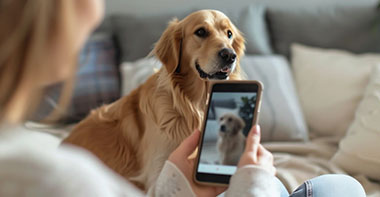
(253, 140)
(188, 146)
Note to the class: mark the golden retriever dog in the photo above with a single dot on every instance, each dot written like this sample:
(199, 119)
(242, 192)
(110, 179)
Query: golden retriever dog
(135, 135)
(231, 140)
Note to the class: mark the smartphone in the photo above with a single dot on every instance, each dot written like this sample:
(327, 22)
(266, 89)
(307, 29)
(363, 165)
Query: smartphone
(232, 108)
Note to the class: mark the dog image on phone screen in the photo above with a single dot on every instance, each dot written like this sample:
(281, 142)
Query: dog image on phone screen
(231, 140)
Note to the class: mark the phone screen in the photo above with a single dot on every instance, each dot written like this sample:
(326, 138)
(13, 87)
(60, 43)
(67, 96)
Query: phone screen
(230, 116)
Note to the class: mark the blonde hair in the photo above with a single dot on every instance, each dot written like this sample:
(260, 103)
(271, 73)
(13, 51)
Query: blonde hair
(26, 29)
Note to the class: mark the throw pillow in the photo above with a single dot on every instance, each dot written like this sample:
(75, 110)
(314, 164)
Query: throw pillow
(359, 150)
(133, 74)
(97, 81)
(254, 27)
(330, 85)
(281, 117)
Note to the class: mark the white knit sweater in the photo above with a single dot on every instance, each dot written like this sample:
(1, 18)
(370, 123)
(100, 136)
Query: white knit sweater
(30, 169)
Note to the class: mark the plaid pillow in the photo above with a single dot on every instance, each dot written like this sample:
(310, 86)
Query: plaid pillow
(97, 81)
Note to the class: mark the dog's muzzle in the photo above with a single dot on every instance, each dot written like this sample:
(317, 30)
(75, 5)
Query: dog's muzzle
(226, 61)
(223, 128)
(217, 75)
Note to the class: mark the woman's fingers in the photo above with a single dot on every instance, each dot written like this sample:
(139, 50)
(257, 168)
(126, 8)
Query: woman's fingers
(253, 140)
(188, 146)
(265, 158)
(265, 154)
(255, 153)
(219, 190)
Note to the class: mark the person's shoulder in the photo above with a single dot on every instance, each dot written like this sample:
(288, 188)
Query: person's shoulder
(64, 171)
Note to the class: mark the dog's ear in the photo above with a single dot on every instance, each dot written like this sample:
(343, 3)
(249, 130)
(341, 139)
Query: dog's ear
(239, 43)
(240, 124)
(239, 47)
(168, 47)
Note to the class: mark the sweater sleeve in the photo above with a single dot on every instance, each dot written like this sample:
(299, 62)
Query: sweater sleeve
(252, 181)
(171, 182)
(67, 171)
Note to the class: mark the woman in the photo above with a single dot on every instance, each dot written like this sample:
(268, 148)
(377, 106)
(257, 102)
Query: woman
(39, 44)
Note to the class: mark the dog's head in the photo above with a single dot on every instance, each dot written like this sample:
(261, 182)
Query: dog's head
(230, 125)
(205, 43)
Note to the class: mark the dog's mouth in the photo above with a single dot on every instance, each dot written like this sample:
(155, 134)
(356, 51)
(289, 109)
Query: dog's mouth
(222, 74)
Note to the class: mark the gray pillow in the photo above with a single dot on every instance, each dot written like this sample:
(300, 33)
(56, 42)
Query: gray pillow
(250, 20)
(253, 25)
(348, 25)
(281, 117)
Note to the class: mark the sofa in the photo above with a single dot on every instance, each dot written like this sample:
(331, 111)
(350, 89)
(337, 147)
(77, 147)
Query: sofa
(318, 61)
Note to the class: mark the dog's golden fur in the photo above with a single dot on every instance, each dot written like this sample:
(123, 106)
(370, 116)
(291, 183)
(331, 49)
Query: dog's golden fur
(231, 141)
(135, 135)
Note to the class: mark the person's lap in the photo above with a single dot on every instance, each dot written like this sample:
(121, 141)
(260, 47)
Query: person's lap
(325, 186)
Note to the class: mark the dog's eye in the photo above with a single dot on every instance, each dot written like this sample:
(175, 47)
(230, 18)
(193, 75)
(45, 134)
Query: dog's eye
(229, 119)
(229, 34)
(221, 119)
(201, 32)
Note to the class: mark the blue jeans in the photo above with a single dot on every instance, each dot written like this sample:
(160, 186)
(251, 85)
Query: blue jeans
(331, 185)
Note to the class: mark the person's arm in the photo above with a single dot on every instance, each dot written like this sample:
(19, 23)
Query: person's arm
(67, 171)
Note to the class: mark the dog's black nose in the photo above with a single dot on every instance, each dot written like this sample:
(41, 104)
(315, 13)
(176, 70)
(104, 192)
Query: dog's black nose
(223, 128)
(228, 56)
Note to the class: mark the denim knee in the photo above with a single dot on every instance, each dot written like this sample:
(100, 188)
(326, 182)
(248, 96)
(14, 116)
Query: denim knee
(330, 185)
(281, 188)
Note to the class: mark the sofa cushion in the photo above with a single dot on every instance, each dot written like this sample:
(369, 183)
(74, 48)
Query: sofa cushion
(136, 34)
(349, 25)
(360, 147)
(330, 85)
(97, 81)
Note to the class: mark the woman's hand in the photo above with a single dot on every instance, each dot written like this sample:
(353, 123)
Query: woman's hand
(180, 157)
(255, 153)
